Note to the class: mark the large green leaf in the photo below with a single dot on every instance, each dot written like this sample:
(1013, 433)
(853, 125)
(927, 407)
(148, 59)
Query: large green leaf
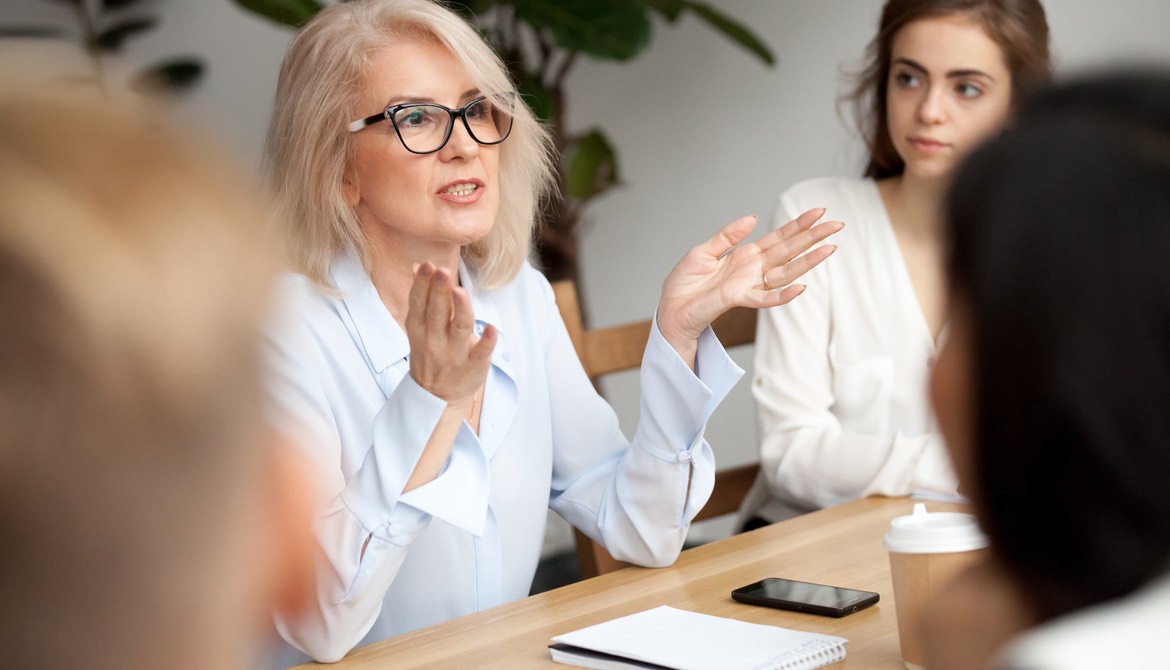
(171, 76)
(668, 8)
(295, 13)
(112, 38)
(592, 166)
(538, 97)
(733, 29)
(611, 29)
(672, 9)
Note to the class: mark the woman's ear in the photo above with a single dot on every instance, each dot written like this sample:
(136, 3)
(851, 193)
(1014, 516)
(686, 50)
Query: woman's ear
(290, 510)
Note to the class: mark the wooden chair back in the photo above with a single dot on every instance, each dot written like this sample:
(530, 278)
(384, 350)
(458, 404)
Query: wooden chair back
(606, 350)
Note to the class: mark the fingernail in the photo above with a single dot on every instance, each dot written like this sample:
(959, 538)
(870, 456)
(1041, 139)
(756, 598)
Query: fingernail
(414, 268)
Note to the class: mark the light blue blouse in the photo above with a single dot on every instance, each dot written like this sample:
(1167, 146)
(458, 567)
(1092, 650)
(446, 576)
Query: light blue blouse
(471, 539)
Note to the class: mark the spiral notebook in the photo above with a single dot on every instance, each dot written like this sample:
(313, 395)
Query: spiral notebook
(665, 638)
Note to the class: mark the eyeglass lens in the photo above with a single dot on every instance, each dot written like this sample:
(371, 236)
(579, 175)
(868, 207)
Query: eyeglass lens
(425, 128)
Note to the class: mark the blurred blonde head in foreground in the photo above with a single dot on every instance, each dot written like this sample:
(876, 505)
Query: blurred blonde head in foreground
(144, 516)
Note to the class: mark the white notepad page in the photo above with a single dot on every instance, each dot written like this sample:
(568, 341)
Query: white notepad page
(685, 640)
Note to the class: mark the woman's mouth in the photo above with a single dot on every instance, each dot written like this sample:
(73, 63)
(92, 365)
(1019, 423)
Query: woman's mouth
(462, 192)
(461, 189)
(927, 145)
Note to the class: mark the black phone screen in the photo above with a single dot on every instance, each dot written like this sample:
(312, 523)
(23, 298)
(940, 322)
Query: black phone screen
(805, 596)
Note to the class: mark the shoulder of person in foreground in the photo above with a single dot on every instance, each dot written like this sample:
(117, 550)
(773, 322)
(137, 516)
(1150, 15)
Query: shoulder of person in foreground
(1118, 634)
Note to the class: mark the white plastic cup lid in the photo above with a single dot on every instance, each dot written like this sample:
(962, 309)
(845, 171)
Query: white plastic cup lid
(934, 533)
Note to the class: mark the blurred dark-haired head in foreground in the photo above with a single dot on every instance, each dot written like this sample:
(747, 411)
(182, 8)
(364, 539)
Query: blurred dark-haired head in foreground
(1052, 387)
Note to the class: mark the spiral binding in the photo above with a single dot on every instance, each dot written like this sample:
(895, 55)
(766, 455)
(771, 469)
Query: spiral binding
(810, 654)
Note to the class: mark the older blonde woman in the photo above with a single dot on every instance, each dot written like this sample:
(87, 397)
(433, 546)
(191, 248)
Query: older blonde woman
(423, 362)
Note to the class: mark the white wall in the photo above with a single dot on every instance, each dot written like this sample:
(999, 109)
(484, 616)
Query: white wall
(705, 132)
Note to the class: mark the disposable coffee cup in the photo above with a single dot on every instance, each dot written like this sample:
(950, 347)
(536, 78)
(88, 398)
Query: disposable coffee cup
(927, 550)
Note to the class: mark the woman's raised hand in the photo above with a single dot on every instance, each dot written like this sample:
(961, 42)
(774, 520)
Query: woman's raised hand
(447, 358)
(721, 273)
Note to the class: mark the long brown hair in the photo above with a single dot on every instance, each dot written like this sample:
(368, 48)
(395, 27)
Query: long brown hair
(1019, 27)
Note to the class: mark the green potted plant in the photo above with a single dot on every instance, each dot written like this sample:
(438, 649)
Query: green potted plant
(540, 41)
(101, 29)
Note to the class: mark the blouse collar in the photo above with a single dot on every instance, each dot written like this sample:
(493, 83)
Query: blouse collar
(383, 340)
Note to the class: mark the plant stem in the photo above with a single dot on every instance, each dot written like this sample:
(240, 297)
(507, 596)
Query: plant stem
(514, 22)
(570, 59)
(90, 35)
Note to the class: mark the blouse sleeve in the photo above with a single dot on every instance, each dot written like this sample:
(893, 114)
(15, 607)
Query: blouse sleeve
(632, 496)
(366, 524)
(809, 460)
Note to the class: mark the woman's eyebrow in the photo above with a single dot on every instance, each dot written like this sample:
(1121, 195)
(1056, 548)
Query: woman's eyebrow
(469, 93)
(951, 74)
(969, 72)
(408, 98)
(910, 64)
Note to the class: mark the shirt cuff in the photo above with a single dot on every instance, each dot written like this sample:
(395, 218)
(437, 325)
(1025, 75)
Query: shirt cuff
(405, 524)
(715, 368)
(401, 430)
(677, 402)
(459, 495)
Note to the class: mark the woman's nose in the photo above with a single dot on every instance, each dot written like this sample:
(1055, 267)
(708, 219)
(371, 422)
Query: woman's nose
(461, 144)
(932, 108)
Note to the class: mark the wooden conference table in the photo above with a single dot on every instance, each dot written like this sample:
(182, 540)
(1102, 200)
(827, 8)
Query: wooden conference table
(841, 546)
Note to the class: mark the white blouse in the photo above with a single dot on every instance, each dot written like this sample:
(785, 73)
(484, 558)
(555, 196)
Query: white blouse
(471, 539)
(1129, 632)
(841, 373)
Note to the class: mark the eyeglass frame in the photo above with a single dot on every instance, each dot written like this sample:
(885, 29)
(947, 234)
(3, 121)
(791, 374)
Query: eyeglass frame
(461, 113)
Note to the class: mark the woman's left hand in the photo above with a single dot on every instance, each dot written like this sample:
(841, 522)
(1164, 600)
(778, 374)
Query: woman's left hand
(721, 273)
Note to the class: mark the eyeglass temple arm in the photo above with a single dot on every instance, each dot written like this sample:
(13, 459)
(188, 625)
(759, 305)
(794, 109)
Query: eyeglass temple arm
(355, 126)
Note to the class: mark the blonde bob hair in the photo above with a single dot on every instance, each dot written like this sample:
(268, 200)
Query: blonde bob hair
(310, 147)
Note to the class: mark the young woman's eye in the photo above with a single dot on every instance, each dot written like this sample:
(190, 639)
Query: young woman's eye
(967, 90)
(905, 79)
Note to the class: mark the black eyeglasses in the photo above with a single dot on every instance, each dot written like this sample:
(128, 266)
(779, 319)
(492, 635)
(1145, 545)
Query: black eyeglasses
(425, 127)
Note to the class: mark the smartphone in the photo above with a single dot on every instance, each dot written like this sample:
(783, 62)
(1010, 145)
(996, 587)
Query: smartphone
(788, 594)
